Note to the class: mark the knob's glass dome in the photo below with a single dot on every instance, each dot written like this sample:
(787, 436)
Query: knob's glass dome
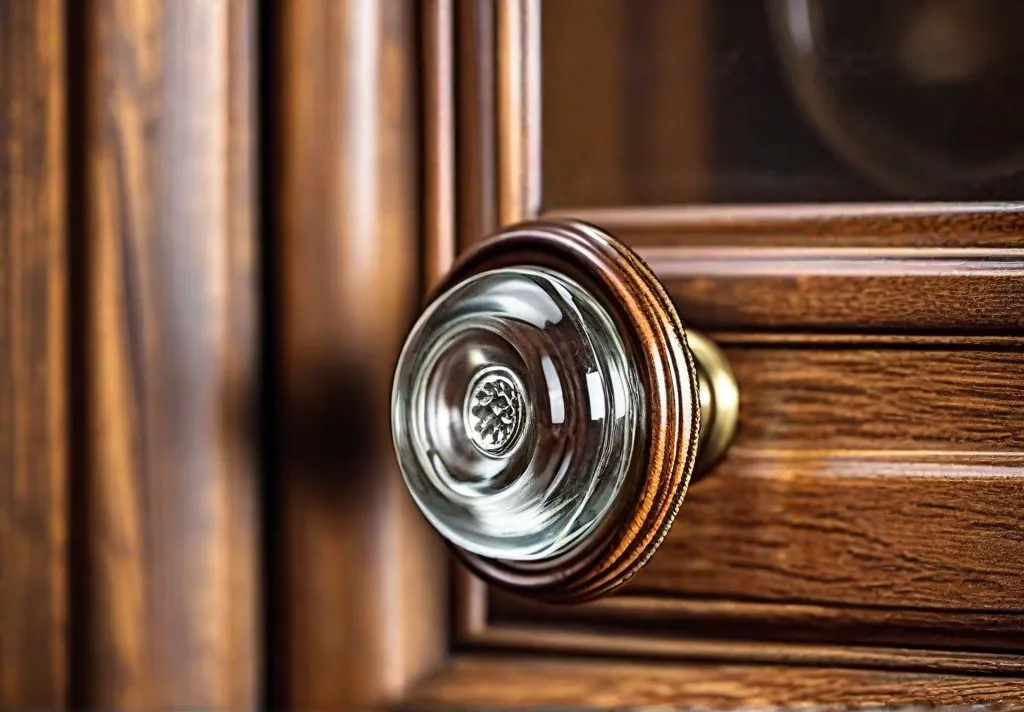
(517, 414)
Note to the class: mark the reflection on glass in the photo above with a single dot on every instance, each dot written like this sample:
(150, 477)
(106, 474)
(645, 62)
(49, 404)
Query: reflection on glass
(689, 101)
(500, 419)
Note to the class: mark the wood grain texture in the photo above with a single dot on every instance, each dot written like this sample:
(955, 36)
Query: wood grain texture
(526, 682)
(544, 638)
(693, 622)
(904, 225)
(438, 18)
(33, 358)
(928, 398)
(886, 533)
(865, 290)
(361, 578)
(517, 102)
(475, 80)
(171, 602)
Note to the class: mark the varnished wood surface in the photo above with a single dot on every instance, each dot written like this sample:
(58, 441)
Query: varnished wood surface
(475, 129)
(546, 638)
(361, 601)
(926, 398)
(867, 513)
(33, 358)
(841, 225)
(865, 290)
(517, 27)
(905, 534)
(438, 18)
(692, 623)
(494, 681)
(169, 607)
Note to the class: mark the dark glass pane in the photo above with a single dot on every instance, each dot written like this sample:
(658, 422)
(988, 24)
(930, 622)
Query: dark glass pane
(702, 101)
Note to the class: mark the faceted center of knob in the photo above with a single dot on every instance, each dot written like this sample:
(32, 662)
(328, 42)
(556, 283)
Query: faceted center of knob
(494, 411)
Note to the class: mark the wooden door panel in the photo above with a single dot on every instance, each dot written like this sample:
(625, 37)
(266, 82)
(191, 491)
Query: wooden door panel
(522, 682)
(867, 515)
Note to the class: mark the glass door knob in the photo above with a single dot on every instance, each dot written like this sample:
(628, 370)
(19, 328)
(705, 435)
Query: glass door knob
(549, 410)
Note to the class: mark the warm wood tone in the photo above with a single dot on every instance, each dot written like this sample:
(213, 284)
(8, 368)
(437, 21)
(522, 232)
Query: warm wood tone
(546, 638)
(33, 358)
(362, 596)
(868, 514)
(714, 627)
(476, 194)
(977, 225)
(438, 19)
(170, 611)
(887, 533)
(517, 103)
(919, 400)
(525, 682)
(937, 289)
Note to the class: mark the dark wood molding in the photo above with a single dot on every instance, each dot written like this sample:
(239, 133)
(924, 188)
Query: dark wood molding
(475, 129)
(34, 447)
(549, 639)
(518, 109)
(688, 620)
(889, 225)
(439, 155)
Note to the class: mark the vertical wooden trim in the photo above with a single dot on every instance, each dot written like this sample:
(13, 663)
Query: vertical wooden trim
(470, 606)
(476, 121)
(518, 101)
(171, 520)
(439, 139)
(363, 598)
(33, 357)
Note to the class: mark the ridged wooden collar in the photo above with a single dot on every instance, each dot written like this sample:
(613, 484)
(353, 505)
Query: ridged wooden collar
(649, 323)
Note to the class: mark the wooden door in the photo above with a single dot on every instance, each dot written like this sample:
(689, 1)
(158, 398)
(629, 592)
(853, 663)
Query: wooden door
(218, 218)
(812, 184)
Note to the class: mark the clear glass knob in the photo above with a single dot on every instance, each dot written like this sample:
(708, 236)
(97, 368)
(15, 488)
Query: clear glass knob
(516, 410)
(549, 409)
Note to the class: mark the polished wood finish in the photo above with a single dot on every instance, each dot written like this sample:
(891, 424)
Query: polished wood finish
(517, 102)
(548, 638)
(475, 88)
(975, 225)
(360, 595)
(843, 401)
(692, 626)
(820, 289)
(438, 19)
(169, 607)
(493, 681)
(629, 291)
(33, 358)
